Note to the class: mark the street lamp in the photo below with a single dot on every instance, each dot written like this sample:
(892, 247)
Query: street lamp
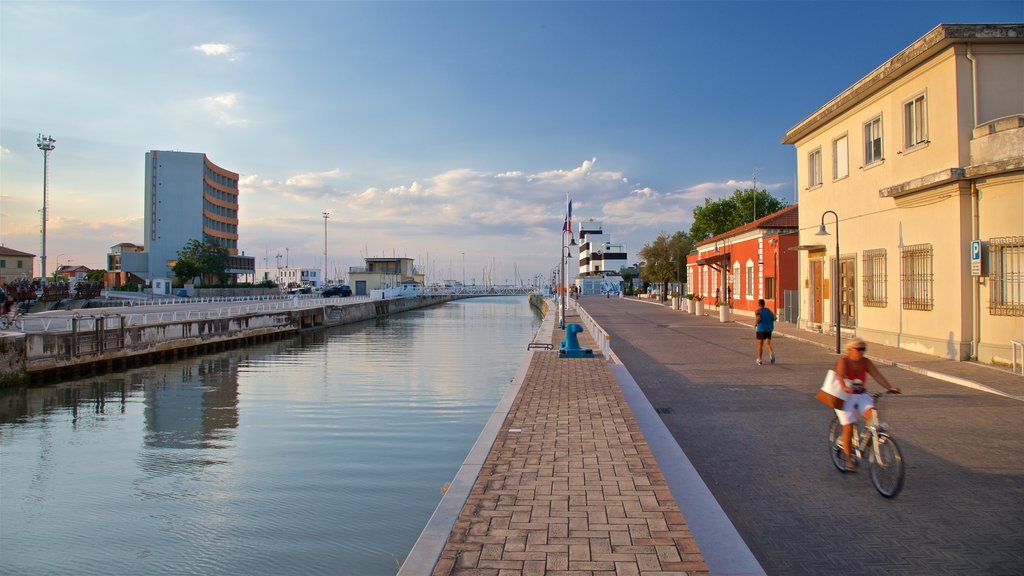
(46, 145)
(835, 277)
(323, 281)
(566, 251)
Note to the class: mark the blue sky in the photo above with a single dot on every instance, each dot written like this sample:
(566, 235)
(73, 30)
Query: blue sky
(441, 131)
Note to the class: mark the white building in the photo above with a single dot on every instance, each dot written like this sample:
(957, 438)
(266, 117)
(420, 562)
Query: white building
(189, 197)
(601, 261)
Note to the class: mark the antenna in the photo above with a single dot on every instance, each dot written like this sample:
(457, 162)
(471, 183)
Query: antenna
(755, 194)
(44, 143)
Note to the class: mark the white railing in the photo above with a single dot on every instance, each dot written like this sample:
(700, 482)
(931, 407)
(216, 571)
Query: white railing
(602, 338)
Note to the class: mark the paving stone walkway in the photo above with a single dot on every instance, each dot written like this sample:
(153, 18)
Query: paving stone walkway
(570, 487)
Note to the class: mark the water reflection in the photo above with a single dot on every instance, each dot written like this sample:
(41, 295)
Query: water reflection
(320, 454)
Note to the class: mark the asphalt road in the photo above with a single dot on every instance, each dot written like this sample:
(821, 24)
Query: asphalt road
(758, 439)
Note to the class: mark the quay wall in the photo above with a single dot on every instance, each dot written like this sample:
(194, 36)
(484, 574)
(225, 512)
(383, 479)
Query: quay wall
(107, 342)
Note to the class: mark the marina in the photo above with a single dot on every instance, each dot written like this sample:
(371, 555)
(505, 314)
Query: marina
(321, 453)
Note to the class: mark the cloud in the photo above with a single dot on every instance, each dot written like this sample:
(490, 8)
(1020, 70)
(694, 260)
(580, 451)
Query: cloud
(222, 108)
(305, 187)
(225, 50)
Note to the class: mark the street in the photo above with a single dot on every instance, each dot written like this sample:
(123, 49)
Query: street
(758, 439)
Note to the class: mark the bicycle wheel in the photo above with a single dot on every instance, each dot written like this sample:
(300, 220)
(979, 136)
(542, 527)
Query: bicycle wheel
(835, 449)
(885, 463)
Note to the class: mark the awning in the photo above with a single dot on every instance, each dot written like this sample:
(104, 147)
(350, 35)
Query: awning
(809, 247)
(715, 261)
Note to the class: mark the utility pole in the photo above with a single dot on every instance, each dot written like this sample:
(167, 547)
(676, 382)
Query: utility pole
(46, 144)
(323, 280)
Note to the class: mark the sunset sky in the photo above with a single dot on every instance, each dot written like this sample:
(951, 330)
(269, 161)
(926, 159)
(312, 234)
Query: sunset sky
(448, 132)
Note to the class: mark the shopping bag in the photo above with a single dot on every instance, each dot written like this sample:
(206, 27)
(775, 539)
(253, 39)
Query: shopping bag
(831, 394)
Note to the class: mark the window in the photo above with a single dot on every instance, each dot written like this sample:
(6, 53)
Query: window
(840, 158)
(814, 168)
(874, 278)
(3, 263)
(1006, 276)
(769, 288)
(915, 122)
(873, 141)
(917, 277)
(750, 277)
(20, 262)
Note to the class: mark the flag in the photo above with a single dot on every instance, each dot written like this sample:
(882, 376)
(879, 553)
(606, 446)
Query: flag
(567, 226)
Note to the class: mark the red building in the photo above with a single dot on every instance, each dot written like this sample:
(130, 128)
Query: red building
(756, 260)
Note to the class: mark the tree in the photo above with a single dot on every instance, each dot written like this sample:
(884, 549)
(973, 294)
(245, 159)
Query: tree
(95, 275)
(719, 216)
(665, 259)
(204, 259)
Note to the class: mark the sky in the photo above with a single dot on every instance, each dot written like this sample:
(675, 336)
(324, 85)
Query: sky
(447, 132)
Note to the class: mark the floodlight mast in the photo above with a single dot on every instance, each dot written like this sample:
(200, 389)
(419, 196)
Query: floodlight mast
(46, 145)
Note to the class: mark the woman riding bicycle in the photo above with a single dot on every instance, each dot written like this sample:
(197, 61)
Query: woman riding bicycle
(852, 369)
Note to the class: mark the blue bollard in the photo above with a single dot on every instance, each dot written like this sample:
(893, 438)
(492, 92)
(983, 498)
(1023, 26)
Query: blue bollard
(571, 345)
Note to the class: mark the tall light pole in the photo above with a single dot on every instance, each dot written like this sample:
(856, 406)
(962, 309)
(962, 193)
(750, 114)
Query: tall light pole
(835, 276)
(324, 279)
(46, 144)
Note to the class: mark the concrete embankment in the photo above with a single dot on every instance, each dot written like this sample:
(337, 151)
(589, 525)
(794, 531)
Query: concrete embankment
(111, 341)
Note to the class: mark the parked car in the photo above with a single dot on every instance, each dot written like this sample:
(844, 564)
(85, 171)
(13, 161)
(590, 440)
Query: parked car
(342, 290)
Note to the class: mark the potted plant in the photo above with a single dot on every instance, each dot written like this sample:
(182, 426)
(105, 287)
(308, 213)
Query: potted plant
(723, 310)
(690, 303)
(698, 306)
(675, 300)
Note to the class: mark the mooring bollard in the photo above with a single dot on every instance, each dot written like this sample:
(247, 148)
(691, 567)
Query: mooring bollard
(571, 345)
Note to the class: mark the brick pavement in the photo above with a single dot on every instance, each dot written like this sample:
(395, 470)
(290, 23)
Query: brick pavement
(570, 486)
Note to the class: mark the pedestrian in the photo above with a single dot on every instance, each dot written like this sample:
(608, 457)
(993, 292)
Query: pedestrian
(852, 371)
(763, 330)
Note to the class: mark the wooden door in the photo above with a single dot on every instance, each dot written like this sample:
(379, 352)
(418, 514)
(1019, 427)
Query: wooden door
(817, 293)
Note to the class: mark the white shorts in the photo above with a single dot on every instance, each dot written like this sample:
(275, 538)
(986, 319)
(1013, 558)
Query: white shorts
(855, 404)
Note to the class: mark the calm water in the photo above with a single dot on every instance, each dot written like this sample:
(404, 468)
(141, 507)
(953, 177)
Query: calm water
(322, 454)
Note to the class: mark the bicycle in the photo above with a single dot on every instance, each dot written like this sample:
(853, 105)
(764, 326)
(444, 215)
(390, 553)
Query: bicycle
(9, 320)
(885, 460)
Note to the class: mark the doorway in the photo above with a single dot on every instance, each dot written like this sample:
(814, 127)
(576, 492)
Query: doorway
(817, 292)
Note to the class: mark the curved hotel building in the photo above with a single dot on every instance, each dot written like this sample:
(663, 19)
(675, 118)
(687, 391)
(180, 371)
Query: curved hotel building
(189, 197)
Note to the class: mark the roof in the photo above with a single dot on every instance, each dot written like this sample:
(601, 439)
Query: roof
(788, 217)
(5, 251)
(935, 41)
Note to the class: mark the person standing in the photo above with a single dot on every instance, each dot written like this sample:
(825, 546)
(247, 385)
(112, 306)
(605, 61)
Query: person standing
(764, 328)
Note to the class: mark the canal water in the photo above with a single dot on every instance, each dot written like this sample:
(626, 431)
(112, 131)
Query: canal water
(321, 454)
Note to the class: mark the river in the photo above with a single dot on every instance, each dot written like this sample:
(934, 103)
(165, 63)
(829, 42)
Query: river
(325, 453)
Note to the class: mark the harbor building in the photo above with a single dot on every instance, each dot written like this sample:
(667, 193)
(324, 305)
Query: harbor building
(15, 265)
(918, 168)
(748, 263)
(601, 261)
(186, 197)
(391, 275)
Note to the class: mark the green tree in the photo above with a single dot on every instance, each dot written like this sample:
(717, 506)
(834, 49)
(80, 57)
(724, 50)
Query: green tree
(95, 275)
(207, 260)
(665, 259)
(719, 216)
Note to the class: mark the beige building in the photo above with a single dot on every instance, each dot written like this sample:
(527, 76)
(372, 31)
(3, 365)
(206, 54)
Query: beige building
(15, 265)
(383, 274)
(915, 162)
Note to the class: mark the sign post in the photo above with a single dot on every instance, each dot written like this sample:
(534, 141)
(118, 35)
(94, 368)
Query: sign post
(975, 257)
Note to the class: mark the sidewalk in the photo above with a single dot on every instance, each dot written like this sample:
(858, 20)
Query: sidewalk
(982, 377)
(569, 486)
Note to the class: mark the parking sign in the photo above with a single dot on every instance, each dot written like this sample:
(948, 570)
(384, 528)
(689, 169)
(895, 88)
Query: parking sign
(975, 257)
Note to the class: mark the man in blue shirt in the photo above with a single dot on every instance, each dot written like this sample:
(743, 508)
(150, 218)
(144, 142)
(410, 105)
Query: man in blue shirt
(765, 325)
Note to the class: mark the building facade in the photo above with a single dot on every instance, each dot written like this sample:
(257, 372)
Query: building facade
(15, 265)
(751, 262)
(384, 274)
(189, 197)
(598, 255)
(918, 169)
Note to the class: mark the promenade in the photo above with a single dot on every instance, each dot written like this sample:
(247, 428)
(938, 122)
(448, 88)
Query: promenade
(678, 455)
